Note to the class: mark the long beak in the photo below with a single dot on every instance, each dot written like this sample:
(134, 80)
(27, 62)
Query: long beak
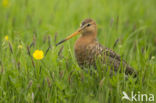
(70, 36)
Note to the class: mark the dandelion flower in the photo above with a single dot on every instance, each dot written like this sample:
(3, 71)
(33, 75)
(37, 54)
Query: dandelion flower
(38, 54)
(5, 3)
(20, 46)
(6, 38)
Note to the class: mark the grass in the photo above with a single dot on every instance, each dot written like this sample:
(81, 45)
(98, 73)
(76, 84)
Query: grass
(58, 78)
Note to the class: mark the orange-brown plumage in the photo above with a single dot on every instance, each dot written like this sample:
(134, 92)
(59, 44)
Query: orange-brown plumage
(88, 50)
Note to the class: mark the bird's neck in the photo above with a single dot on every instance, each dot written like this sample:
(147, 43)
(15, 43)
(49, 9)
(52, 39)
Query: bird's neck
(89, 36)
(84, 40)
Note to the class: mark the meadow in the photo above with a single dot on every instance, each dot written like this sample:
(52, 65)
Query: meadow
(126, 26)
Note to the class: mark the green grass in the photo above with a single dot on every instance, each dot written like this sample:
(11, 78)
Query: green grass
(58, 78)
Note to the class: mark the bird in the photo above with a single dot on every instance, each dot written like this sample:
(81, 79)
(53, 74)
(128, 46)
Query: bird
(88, 50)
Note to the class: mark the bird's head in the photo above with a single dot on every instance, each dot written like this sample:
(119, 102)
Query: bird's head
(87, 28)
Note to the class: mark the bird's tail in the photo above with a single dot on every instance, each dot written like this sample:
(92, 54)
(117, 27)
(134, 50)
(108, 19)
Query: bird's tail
(131, 71)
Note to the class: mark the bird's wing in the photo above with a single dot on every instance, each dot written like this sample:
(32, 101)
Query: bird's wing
(113, 59)
(109, 52)
(97, 49)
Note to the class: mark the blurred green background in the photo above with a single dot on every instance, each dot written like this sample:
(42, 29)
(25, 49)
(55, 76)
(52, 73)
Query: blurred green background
(57, 78)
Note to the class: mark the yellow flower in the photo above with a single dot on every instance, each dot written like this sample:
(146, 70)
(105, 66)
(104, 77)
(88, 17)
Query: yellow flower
(153, 57)
(6, 38)
(38, 54)
(20, 46)
(5, 3)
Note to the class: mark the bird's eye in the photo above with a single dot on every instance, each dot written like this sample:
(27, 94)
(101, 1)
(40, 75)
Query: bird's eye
(88, 24)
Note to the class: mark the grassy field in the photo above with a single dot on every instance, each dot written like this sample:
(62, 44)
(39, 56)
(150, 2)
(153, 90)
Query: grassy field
(29, 25)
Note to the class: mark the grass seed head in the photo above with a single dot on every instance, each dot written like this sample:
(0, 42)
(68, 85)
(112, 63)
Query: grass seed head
(48, 81)
(11, 49)
(28, 51)
(30, 84)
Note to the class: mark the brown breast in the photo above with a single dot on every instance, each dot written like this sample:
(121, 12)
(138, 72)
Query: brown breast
(85, 51)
